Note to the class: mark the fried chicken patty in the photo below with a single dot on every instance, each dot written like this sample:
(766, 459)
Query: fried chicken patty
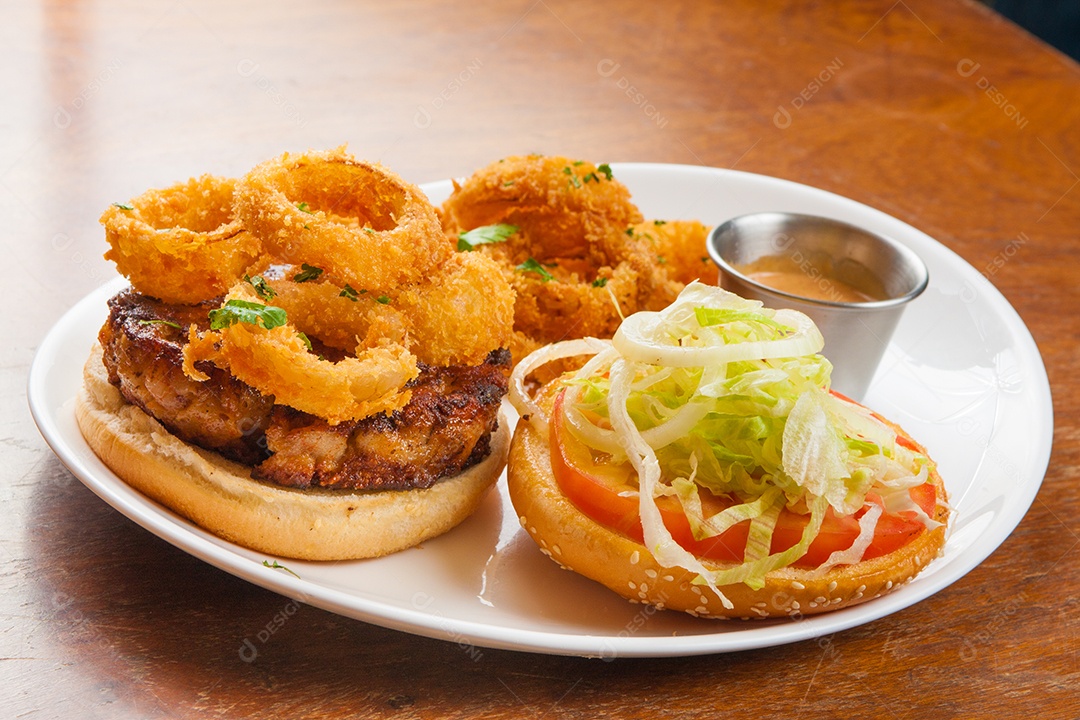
(444, 429)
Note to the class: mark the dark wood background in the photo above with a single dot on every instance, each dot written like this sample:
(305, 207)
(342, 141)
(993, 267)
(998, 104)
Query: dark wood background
(939, 113)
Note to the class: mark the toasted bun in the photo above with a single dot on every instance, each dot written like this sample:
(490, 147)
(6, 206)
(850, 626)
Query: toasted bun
(220, 495)
(579, 543)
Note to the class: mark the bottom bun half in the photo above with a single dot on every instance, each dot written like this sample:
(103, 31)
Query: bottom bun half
(220, 496)
(584, 546)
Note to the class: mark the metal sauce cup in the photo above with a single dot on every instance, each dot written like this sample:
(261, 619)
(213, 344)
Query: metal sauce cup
(856, 332)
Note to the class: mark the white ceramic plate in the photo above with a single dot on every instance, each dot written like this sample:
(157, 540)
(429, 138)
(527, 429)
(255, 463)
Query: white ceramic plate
(962, 375)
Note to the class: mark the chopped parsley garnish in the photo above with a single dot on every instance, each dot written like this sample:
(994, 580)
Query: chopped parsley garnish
(304, 208)
(574, 180)
(158, 321)
(368, 230)
(307, 272)
(659, 222)
(252, 313)
(276, 566)
(348, 292)
(124, 206)
(383, 299)
(630, 231)
(262, 288)
(532, 265)
(306, 339)
(604, 169)
(484, 235)
(599, 282)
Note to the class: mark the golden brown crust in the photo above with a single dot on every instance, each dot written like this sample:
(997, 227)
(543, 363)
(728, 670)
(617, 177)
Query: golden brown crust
(580, 544)
(220, 496)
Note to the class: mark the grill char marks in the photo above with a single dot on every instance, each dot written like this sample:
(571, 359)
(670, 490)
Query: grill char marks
(444, 429)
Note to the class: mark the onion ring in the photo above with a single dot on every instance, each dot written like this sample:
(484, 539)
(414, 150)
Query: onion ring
(461, 314)
(180, 244)
(362, 224)
(338, 319)
(279, 362)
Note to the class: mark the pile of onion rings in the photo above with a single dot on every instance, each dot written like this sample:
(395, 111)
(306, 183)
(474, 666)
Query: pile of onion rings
(573, 245)
(335, 274)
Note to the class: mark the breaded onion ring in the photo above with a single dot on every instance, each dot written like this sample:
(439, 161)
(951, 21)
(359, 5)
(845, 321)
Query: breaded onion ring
(463, 311)
(569, 208)
(679, 247)
(361, 223)
(180, 244)
(279, 362)
(338, 319)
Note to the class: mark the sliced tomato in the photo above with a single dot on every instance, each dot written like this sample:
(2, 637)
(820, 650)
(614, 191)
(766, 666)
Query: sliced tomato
(605, 493)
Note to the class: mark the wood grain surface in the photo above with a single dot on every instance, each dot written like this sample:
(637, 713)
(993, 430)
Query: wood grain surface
(939, 113)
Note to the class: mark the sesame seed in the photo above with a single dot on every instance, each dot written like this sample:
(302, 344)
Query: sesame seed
(634, 557)
(644, 587)
(633, 585)
(798, 585)
(668, 578)
(832, 586)
(650, 573)
(556, 549)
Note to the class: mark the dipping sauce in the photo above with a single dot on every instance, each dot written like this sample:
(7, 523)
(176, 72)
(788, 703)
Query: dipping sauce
(809, 281)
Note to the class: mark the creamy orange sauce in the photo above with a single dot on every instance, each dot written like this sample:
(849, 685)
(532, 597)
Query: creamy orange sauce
(817, 287)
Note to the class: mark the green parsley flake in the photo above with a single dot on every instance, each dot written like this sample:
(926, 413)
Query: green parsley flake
(124, 206)
(605, 170)
(599, 282)
(484, 235)
(304, 208)
(262, 288)
(276, 566)
(307, 273)
(532, 265)
(348, 292)
(252, 313)
(574, 180)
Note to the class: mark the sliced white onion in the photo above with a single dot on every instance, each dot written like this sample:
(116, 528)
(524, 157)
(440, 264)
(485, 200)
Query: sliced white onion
(641, 338)
(519, 395)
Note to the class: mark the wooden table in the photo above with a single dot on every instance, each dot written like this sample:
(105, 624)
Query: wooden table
(941, 114)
